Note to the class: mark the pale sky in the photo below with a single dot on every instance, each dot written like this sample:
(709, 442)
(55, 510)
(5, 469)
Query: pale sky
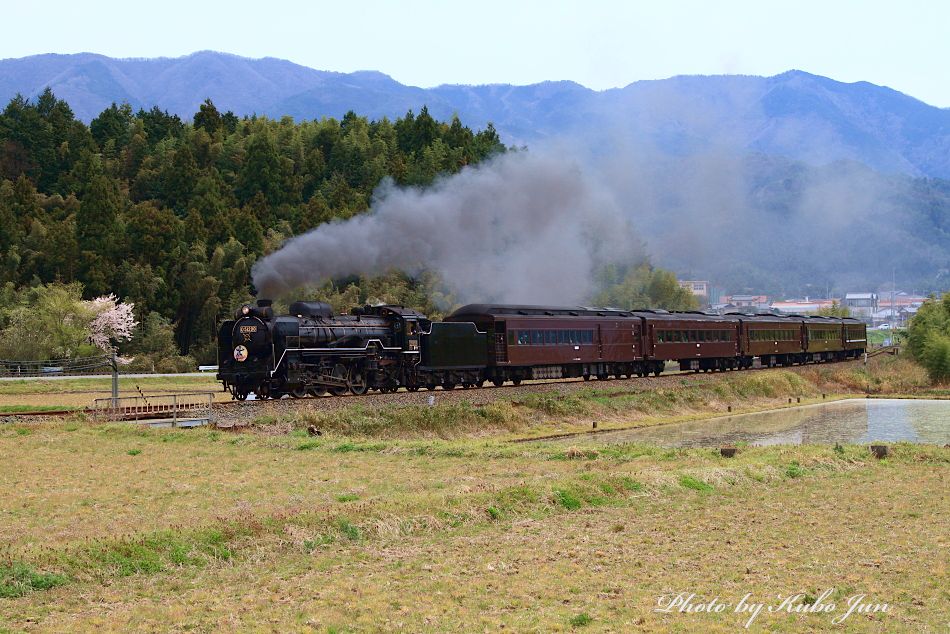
(904, 44)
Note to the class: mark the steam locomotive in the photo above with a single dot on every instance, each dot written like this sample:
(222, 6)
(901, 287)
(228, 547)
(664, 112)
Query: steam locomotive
(311, 351)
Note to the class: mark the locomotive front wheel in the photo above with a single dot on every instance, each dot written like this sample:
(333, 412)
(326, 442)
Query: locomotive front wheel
(241, 396)
(497, 382)
(516, 382)
(298, 392)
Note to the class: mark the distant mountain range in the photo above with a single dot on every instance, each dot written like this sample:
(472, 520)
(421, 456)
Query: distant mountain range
(797, 115)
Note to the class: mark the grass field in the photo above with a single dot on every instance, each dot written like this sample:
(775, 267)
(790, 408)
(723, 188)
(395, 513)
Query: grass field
(414, 518)
(118, 528)
(33, 395)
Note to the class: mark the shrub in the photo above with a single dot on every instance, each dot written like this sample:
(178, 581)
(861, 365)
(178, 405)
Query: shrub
(928, 337)
(794, 470)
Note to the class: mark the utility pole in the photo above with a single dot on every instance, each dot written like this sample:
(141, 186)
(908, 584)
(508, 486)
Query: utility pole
(115, 382)
(893, 293)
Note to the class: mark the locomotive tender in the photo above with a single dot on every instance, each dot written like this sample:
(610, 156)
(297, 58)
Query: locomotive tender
(311, 351)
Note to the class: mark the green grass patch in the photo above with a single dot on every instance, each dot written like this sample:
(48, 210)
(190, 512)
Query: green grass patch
(794, 470)
(580, 620)
(567, 499)
(104, 384)
(629, 484)
(16, 409)
(347, 497)
(689, 482)
(349, 530)
(16, 579)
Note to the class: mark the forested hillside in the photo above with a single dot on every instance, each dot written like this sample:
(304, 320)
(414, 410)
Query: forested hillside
(170, 214)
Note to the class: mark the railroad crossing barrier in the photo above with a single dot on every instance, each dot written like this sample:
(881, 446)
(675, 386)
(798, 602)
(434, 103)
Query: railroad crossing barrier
(164, 410)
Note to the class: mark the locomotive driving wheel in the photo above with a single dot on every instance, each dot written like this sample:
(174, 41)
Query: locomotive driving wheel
(356, 381)
(339, 374)
(299, 392)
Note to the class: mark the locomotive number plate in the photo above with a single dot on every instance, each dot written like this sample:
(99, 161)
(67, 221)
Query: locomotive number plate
(248, 328)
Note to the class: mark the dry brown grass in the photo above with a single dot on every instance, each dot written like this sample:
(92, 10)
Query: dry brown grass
(343, 534)
(884, 374)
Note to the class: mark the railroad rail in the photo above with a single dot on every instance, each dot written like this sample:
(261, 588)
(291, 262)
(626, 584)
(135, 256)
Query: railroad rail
(892, 350)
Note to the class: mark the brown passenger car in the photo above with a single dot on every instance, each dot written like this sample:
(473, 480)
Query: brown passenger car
(541, 342)
(696, 340)
(776, 340)
(823, 338)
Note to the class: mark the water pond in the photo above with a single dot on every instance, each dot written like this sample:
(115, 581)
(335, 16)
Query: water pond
(847, 421)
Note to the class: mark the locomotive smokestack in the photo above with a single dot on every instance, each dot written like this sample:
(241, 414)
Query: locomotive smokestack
(264, 303)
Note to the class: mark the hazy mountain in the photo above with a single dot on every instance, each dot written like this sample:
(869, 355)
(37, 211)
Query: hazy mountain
(795, 114)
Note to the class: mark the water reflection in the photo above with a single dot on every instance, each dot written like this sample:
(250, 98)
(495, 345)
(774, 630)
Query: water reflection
(849, 421)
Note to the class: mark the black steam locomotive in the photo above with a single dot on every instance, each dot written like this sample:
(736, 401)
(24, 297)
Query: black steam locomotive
(311, 351)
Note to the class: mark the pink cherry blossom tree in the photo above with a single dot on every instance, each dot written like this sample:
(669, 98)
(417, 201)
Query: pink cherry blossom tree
(113, 321)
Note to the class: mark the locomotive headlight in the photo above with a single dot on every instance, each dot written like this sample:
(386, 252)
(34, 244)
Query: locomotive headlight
(240, 354)
(245, 309)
